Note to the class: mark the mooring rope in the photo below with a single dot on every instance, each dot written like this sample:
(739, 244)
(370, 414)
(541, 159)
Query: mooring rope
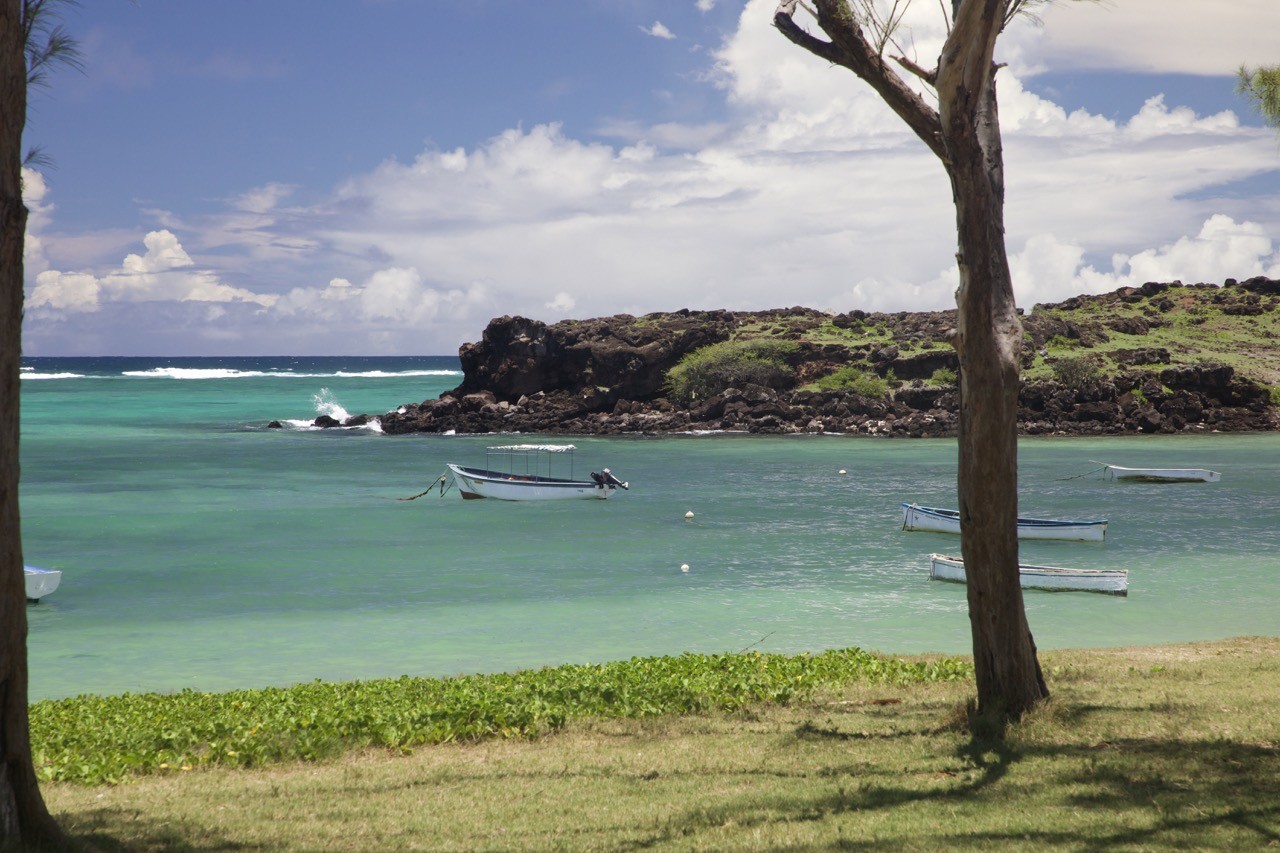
(1085, 474)
(440, 482)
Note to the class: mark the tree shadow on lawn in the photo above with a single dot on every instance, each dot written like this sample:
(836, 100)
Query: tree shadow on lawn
(1169, 793)
(89, 831)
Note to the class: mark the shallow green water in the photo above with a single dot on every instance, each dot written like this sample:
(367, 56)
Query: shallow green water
(200, 549)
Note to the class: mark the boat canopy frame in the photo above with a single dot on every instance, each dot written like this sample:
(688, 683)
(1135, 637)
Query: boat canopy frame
(529, 457)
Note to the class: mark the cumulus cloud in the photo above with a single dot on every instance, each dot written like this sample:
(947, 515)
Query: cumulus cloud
(1048, 270)
(562, 304)
(658, 30)
(164, 273)
(1161, 36)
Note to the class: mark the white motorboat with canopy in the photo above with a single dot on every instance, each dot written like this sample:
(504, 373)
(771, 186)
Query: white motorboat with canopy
(524, 472)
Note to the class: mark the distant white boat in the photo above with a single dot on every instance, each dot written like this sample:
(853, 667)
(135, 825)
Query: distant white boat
(935, 520)
(519, 476)
(1109, 581)
(41, 582)
(1161, 475)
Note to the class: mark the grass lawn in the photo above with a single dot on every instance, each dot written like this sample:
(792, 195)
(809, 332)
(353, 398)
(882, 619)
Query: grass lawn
(1139, 749)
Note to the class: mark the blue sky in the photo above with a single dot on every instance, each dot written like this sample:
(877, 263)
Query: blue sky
(385, 176)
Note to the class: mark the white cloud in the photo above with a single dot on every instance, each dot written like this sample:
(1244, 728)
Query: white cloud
(658, 30)
(1178, 36)
(705, 5)
(1047, 270)
(165, 273)
(562, 304)
(73, 292)
(39, 216)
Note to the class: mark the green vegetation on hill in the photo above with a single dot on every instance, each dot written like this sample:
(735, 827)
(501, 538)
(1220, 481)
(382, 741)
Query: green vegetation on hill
(712, 369)
(1193, 324)
(1143, 329)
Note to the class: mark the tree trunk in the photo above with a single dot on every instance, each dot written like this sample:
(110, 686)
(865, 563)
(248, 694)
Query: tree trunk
(965, 135)
(25, 822)
(988, 342)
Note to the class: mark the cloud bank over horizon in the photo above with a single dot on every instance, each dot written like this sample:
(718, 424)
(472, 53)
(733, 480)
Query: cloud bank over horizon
(807, 192)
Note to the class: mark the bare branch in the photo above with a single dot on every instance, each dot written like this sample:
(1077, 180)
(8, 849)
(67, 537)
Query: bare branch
(850, 48)
(930, 77)
(782, 20)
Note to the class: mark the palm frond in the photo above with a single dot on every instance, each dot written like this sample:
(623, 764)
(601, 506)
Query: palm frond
(46, 42)
(1262, 88)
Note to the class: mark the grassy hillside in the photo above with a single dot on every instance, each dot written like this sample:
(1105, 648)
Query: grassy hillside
(1143, 329)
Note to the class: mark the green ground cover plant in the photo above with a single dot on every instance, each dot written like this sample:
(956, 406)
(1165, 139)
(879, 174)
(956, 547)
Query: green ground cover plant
(1160, 748)
(109, 739)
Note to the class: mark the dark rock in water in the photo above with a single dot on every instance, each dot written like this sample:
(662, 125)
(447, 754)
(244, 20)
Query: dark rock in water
(275, 425)
(356, 420)
(326, 422)
(608, 375)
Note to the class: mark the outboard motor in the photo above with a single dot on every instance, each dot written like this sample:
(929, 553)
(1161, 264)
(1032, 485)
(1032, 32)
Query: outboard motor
(609, 480)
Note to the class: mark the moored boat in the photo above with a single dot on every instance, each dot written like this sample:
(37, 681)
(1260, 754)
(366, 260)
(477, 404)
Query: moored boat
(40, 582)
(1161, 475)
(1054, 578)
(519, 476)
(935, 520)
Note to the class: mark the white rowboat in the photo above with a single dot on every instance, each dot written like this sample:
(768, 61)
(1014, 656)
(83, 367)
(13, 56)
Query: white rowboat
(1162, 475)
(480, 483)
(40, 582)
(935, 520)
(526, 476)
(1056, 578)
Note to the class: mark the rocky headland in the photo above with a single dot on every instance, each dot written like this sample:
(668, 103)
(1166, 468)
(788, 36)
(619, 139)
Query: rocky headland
(1161, 358)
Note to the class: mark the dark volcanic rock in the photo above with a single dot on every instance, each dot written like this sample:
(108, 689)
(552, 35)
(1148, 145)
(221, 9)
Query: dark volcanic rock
(607, 375)
(627, 357)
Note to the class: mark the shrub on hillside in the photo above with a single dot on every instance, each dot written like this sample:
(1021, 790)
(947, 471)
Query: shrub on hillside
(943, 376)
(853, 380)
(1076, 371)
(712, 369)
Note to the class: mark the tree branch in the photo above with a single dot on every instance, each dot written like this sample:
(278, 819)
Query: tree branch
(930, 77)
(850, 48)
(782, 20)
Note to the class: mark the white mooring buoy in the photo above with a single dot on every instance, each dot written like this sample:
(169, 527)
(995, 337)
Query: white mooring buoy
(688, 516)
(684, 567)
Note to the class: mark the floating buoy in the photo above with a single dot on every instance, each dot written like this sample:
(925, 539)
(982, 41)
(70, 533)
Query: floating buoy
(688, 516)
(842, 471)
(684, 567)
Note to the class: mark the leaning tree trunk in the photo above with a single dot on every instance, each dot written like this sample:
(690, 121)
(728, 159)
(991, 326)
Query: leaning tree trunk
(25, 823)
(988, 341)
(964, 133)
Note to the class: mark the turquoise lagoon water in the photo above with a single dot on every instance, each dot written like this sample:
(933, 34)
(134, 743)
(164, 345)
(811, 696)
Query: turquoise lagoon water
(201, 549)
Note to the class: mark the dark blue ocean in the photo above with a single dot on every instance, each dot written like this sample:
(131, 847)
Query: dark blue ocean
(201, 549)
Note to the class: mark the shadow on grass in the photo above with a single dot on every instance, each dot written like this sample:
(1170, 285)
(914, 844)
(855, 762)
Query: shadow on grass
(89, 832)
(1164, 793)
